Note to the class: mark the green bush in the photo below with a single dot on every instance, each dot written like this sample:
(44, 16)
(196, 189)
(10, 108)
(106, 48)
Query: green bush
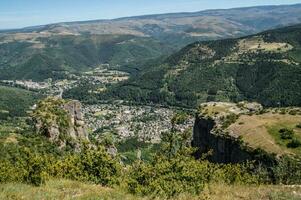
(295, 143)
(229, 119)
(179, 118)
(93, 165)
(182, 174)
(166, 177)
(24, 166)
(90, 165)
(36, 170)
(287, 171)
(286, 134)
(174, 170)
(292, 112)
(9, 172)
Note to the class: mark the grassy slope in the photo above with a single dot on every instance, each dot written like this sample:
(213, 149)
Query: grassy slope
(274, 132)
(261, 131)
(64, 189)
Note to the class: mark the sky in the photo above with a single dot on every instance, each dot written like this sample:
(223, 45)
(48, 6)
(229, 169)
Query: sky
(23, 13)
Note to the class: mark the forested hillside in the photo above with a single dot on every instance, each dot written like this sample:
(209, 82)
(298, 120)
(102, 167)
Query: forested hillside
(14, 102)
(263, 67)
(53, 57)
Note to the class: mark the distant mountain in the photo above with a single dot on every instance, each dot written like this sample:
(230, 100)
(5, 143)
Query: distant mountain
(263, 67)
(49, 51)
(183, 28)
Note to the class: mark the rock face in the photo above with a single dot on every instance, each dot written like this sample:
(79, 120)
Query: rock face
(210, 133)
(225, 149)
(61, 121)
(77, 126)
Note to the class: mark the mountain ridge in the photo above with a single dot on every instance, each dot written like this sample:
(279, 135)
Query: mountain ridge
(206, 11)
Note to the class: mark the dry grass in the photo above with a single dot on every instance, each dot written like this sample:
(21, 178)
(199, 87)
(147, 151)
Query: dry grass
(64, 189)
(254, 130)
(61, 189)
(221, 192)
(257, 43)
(12, 138)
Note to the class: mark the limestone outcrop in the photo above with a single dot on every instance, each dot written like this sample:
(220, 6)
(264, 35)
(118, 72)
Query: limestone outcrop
(210, 131)
(60, 120)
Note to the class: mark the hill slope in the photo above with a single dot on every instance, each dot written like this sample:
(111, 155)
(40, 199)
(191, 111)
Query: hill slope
(53, 56)
(263, 67)
(51, 51)
(16, 101)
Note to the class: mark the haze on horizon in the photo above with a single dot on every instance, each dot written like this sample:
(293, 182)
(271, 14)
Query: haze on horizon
(20, 13)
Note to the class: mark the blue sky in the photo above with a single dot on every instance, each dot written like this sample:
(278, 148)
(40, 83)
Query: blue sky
(22, 13)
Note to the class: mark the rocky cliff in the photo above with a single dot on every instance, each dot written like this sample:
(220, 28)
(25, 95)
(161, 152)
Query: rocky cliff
(210, 134)
(61, 121)
(224, 149)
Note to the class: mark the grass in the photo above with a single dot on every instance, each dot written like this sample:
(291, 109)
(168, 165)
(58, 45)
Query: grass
(261, 131)
(66, 189)
(274, 131)
(60, 189)
(214, 109)
(217, 192)
(255, 43)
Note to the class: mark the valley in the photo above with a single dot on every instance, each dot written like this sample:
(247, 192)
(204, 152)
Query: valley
(200, 105)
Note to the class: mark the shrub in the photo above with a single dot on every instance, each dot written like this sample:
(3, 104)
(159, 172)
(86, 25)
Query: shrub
(292, 112)
(230, 119)
(286, 134)
(167, 177)
(36, 173)
(26, 166)
(298, 125)
(295, 143)
(90, 165)
(93, 165)
(8, 172)
(183, 174)
(179, 118)
(174, 170)
(287, 171)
